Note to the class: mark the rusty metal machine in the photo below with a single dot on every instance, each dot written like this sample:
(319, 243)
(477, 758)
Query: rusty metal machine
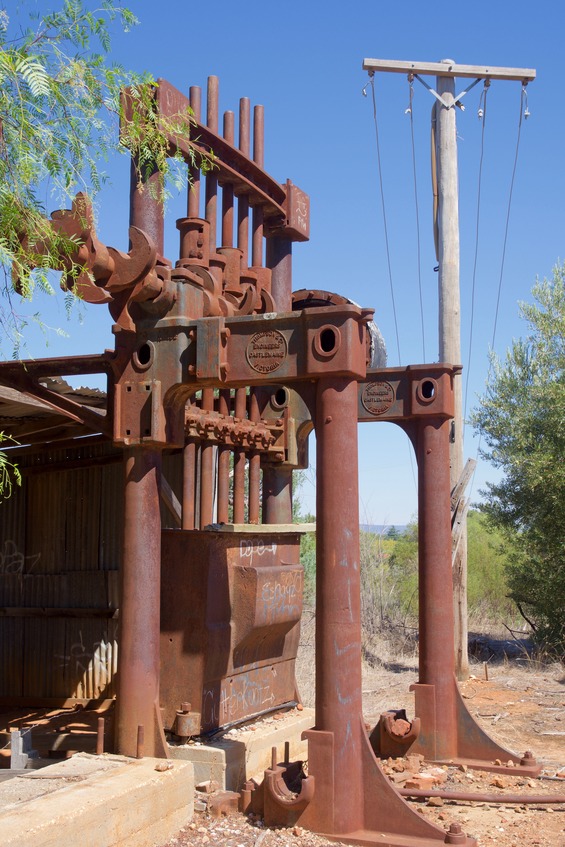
(214, 357)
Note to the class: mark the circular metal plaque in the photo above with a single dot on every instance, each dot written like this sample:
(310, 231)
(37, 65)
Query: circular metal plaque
(266, 351)
(377, 397)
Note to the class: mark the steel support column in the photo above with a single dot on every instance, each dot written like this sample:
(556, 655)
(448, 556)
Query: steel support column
(138, 679)
(277, 495)
(277, 482)
(338, 597)
(437, 663)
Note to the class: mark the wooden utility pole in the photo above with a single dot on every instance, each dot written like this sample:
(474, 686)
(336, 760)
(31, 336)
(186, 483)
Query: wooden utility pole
(447, 233)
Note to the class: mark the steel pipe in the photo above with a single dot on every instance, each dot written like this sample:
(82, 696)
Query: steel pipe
(511, 799)
(138, 679)
(338, 595)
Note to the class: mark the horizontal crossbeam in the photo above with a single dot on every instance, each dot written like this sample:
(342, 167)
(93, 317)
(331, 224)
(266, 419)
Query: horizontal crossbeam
(451, 69)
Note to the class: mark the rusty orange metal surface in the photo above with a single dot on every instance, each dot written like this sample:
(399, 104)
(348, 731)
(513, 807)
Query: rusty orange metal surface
(230, 623)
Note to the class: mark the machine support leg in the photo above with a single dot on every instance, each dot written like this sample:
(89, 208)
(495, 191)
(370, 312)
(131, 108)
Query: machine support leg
(277, 495)
(138, 678)
(338, 613)
(437, 663)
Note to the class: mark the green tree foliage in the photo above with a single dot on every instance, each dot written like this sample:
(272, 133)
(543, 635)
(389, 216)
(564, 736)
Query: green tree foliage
(487, 586)
(522, 420)
(404, 572)
(60, 110)
(59, 115)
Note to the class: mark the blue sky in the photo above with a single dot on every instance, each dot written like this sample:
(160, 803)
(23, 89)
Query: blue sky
(302, 61)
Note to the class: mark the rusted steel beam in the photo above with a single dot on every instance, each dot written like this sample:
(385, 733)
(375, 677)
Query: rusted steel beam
(436, 624)
(28, 383)
(277, 495)
(338, 613)
(243, 198)
(239, 462)
(227, 190)
(59, 366)
(258, 158)
(193, 205)
(212, 106)
(189, 485)
(207, 468)
(224, 454)
(254, 466)
(138, 680)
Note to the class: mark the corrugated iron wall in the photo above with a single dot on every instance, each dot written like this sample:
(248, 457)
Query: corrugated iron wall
(60, 551)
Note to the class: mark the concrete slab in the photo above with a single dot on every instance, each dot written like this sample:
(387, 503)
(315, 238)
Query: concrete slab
(103, 801)
(238, 754)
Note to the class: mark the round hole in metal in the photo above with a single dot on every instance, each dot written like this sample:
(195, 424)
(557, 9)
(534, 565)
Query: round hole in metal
(279, 398)
(143, 356)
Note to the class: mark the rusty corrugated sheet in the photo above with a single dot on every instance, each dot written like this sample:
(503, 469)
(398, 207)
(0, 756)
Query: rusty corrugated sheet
(60, 548)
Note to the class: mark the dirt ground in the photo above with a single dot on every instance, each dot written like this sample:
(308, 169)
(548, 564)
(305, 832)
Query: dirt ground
(522, 705)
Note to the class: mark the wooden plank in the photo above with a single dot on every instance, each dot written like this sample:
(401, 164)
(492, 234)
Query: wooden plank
(451, 69)
(458, 525)
(171, 501)
(55, 702)
(462, 484)
(42, 612)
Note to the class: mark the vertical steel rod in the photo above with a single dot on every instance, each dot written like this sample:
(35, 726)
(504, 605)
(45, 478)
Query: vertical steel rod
(211, 180)
(145, 208)
(277, 495)
(227, 190)
(224, 464)
(254, 466)
(239, 463)
(243, 201)
(193, 208)
(207, 468)
(258, 158)
(279, 259)
(189, 485)
(140, 748)
(100, 737)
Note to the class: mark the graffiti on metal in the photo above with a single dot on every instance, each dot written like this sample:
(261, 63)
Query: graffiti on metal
(13, 561)
(251, 548)
(281, 599)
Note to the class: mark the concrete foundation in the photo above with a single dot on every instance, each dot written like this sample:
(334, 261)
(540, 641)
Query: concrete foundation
(237, 755)
(103, 802)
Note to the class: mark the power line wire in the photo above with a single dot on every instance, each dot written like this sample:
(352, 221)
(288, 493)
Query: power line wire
(524, 113)
(409, 111)
(372, 83)
(483, 118)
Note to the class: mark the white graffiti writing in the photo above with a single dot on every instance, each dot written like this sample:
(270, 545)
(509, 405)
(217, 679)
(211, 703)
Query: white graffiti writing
(12, 561)
(82, 659)
(246, 694)
(282, 599)
(252, 547)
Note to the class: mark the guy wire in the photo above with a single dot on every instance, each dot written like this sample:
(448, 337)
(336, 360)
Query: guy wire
(523, 99)
(372, 81)
(411, 113)
(483, 116)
